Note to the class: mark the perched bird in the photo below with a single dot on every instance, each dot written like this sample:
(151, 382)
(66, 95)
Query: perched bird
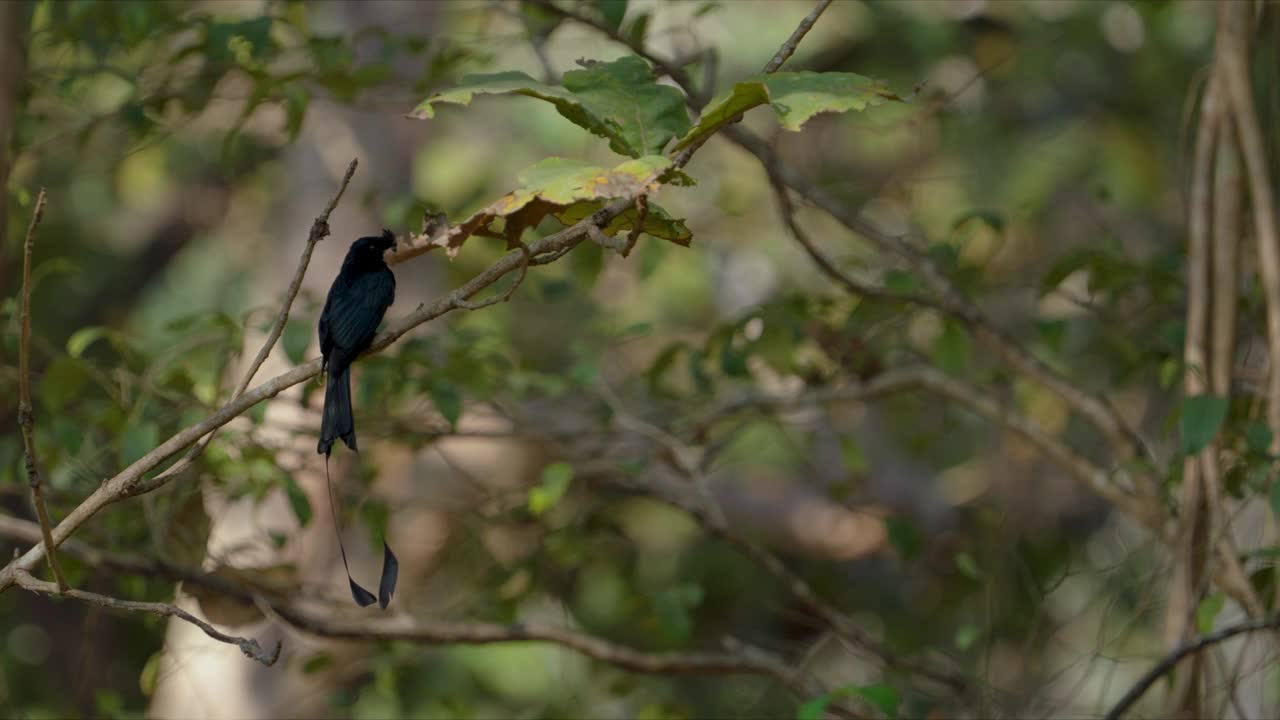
(360, 295)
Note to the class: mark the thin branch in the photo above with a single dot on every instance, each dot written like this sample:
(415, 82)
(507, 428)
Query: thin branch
(26, 411)
(250, 648)
(319, 231)
(525, 261)
(26, 531)
(1167, 664)
(480, 633)
(789, 47)
(824, 263)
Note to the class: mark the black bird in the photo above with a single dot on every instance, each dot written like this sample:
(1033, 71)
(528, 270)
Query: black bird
(358, 298)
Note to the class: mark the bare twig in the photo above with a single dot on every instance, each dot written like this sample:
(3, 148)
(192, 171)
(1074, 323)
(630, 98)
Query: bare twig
(789, 47)
(525, 260)
(479, 633)
(250, 648)
(26, 411)
(1170, 661)
(319, 231)
(824, 263)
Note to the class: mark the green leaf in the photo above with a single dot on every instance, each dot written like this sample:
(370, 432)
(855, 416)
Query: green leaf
(563, 182)
(618, 101)
(1275, 499)
(555, 482)
(296, 339)
(951, 348)
(1168, 372)
(1258, 438)
(612, 11)
(448, 401)
(903, 535)
(901, 281)
(1202, 416)
(298, 500)
(881, 696)
(81, 339)
(672, 608)
(570, 190)
(1207, 611)
(968, 566)
(316, 663)
(296, 99)
(657, 222)
(62, 382)
(138, 440)
(966, 636)
(794, 96)
(150, 674)
(990, 218)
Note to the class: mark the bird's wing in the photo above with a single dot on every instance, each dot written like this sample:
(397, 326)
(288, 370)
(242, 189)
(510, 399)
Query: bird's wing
(354, 314)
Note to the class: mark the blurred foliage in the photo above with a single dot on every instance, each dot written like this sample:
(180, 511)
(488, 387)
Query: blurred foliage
(1040, 152)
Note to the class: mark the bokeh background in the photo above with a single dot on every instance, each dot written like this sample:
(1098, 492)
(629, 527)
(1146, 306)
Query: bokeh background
(187, 146)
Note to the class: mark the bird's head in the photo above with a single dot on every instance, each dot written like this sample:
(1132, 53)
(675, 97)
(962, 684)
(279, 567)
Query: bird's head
(370, 249)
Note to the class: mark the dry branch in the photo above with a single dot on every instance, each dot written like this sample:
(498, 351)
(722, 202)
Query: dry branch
(26, 411)
(1170, 661)
(250, 648)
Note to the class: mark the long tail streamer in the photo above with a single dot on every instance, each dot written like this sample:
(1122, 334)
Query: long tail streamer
(390, 566)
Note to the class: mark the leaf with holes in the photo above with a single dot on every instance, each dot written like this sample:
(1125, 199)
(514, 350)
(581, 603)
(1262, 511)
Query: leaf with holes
(794, 96)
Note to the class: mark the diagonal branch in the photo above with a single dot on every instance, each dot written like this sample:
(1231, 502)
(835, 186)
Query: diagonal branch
(26, 412)
(250, 648)
(824, 263)
(789, 47)
(1170, 661)
(319, 231)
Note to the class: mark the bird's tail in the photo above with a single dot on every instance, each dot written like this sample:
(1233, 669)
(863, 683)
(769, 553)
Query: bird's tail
(337, 421)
